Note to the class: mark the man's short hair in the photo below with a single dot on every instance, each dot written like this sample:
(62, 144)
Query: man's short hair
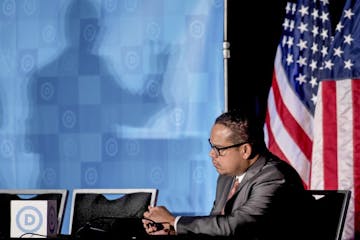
(245, 128)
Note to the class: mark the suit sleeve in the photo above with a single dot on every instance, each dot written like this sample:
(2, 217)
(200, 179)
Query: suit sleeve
(266, 196)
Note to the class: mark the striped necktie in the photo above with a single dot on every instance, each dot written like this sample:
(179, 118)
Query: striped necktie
(232, 191)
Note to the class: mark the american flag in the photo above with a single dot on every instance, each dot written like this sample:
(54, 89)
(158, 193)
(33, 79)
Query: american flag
(309, 130)
(336, 155)
(292, 97)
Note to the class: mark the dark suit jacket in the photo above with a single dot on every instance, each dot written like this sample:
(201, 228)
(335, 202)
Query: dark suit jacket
(271, 203)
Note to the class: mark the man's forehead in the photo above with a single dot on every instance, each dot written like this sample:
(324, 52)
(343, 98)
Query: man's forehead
(220, 133)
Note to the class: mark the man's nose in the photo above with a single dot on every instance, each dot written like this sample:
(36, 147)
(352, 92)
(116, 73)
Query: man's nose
(212, 153)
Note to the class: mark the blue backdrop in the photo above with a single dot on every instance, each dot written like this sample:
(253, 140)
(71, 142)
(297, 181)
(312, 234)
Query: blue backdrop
(111, 94)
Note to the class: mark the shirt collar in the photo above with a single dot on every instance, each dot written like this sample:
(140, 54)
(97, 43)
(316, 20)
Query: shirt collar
(240, 177)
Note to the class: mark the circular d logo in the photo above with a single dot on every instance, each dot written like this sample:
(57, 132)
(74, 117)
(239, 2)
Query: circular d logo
(29, 219)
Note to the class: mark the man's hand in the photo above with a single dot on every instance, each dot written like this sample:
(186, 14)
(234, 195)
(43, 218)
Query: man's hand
(158, 221)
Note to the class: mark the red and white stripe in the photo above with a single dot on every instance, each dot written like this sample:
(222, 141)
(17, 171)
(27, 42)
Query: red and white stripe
(289, 125)
(336, 154)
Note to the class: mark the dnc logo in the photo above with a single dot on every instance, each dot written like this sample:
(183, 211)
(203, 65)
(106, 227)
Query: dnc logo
(35, 217)
(29, 219)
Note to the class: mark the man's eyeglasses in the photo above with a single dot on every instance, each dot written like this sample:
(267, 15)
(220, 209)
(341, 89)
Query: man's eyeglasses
(219, 149)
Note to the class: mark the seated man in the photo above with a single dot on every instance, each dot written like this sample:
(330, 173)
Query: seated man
(258, 196)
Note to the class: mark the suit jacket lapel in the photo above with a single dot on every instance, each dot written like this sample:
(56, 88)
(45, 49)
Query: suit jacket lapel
(252, 171)
(221, 201)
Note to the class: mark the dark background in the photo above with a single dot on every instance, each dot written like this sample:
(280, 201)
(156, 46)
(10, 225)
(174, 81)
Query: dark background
(254, 31)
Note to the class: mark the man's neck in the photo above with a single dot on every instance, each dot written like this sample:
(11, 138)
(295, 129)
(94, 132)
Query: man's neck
(254, 159)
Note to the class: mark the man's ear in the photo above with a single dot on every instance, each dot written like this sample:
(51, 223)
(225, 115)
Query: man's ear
(246, 151)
